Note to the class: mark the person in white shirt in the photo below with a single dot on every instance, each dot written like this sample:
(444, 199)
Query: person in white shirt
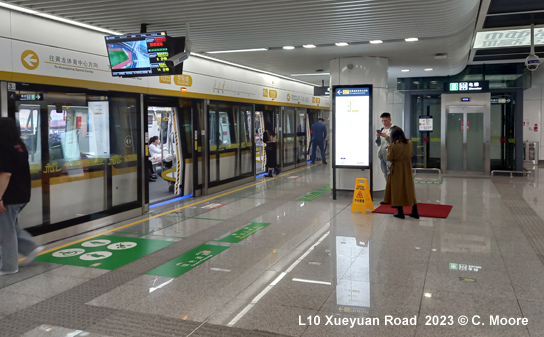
(382, 141)
(154, 147)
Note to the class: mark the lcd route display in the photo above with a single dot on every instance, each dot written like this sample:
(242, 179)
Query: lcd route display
(142, 54)
(352, 109)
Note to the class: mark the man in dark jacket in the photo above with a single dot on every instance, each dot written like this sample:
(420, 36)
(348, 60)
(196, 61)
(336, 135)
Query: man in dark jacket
(319, 134)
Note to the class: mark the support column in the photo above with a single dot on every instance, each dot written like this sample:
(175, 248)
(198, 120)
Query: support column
(363, 70)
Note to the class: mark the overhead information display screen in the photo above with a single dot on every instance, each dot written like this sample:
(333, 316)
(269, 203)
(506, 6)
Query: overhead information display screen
(352, 109)
(142, 54)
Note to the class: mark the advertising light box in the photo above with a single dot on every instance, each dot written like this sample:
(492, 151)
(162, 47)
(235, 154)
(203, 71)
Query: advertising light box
(352, 119)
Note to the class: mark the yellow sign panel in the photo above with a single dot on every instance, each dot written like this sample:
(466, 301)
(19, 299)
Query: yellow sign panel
(313, 99)
(345, 91)
(361, 197)
(265, 92)
(288, 97)
(273, 93)
(167, 79)
(318, 100)
(184, 80)
(30, 59)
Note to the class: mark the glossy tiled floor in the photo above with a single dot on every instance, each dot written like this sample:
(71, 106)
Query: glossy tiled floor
(316, 270)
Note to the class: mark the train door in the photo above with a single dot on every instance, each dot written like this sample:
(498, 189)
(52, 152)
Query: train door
(165, 156)
(83, 154)
(260, 163)
(230, 152)
(288, 137)
(269, 118)
(301, 139)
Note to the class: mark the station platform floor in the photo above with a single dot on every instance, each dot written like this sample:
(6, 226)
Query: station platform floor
(280, 257)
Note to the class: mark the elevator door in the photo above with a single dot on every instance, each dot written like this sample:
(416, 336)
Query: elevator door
(465, 146)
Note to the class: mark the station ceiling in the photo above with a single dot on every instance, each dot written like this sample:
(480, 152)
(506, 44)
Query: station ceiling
(446, 29)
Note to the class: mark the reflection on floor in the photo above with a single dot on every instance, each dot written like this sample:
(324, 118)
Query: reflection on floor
(259, 262)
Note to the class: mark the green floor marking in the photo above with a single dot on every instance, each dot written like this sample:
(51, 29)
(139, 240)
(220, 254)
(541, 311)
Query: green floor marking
(311, 196)
(325, 188)
(430, 182)
(187, 261)
(243, 233)
(192, 217)
(143, 234)
(104, 252)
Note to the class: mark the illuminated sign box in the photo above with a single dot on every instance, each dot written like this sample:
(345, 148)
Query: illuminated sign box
(466, 86)
(352, 120)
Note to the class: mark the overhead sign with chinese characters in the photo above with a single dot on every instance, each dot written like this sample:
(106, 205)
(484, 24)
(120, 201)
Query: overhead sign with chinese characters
(508, 38)
(352, 123)
(466, 86)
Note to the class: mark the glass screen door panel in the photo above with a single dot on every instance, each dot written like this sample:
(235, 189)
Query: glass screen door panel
(289, 137)
(454, 141)
(475, 143)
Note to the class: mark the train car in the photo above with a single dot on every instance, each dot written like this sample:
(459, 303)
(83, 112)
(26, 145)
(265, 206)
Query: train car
(88, 131)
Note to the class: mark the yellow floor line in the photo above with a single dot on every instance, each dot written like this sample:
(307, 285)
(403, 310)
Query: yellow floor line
(168, 212)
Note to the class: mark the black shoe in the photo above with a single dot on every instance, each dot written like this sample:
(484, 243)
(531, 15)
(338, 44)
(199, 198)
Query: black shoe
(414, 215)
(153, 176)
(152, 180)
(312, 162)
(324, 163)
(383, 203)
(269, 175)
(397, 215)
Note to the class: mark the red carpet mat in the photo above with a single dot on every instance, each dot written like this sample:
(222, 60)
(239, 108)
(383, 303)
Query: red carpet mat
(425, 210)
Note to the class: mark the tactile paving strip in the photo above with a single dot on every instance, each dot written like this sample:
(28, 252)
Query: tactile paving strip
(530, 223)
(69, 309)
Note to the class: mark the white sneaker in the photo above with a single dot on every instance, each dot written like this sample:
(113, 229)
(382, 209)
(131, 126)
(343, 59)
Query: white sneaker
(8, 272)
(31, 256)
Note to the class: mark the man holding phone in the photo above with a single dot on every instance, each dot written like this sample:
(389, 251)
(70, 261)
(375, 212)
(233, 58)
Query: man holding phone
(383, 140)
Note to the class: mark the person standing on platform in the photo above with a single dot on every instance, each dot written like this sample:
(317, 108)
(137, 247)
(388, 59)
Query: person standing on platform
(382, 141)
(400, 189)
(269, 139)
(319, 134)
(14, 195)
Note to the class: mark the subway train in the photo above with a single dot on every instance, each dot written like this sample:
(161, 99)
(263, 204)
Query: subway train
(88, 131)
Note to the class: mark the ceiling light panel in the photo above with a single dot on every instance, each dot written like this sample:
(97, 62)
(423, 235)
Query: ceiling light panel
(376, 41)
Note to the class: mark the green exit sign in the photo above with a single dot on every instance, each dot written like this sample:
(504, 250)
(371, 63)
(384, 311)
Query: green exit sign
(454, 86)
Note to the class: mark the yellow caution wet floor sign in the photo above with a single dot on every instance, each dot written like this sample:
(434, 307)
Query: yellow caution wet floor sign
(361, 197)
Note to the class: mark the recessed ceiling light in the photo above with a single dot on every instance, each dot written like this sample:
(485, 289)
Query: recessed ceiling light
(411, 39)
(235, 51)
(405, 70)
(341, 44)
(428, 69)
(376, 41)
(288, 47)
(312, 74)
(434, 82)
(308, 45)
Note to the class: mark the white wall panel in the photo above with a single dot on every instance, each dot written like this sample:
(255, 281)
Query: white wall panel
(5, 48)
(42, 31)
(5, 23)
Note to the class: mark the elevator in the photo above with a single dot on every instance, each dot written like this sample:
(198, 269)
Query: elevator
(465, 143)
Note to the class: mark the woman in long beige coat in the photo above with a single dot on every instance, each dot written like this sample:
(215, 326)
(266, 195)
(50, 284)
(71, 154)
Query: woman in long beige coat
(400, 190)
